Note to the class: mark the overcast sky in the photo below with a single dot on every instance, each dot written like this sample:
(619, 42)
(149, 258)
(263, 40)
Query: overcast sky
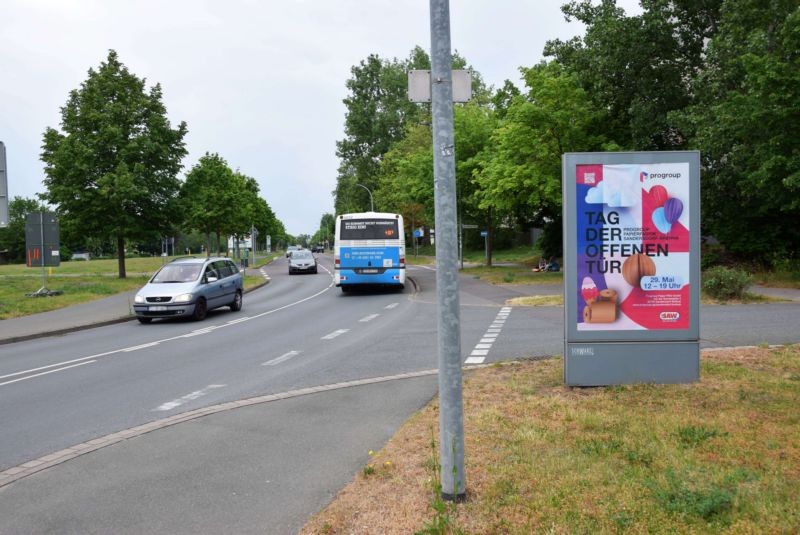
(260, 82)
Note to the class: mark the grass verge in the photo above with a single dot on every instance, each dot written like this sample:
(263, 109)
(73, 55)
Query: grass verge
(80, 282)
(718, 456)
(520, 274)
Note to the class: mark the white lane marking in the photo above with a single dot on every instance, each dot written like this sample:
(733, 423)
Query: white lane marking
(233, 322)
(282, 358)
(45, 373)
(481, 350)
(334, 334)
(388, 307)
(168, 406)
(369, 318)
(134, 348)
(59, 364)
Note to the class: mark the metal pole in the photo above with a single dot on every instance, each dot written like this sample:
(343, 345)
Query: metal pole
(253, 242)
(43, 289)
(371, 204)
(451, 426)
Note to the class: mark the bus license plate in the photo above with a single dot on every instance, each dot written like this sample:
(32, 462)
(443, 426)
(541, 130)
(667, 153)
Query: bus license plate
(369, 271)
(158, 308)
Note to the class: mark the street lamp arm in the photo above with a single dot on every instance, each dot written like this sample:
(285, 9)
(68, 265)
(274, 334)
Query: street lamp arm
(371, 203)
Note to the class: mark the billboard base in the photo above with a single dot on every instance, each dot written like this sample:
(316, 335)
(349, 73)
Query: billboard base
(614, 363)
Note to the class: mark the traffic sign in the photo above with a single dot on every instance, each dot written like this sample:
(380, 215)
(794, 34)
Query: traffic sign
(484, 233)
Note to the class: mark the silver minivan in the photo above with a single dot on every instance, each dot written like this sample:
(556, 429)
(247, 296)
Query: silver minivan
(190, 287)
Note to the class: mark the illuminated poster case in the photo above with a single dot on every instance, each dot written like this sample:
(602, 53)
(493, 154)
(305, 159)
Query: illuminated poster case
(631, 267)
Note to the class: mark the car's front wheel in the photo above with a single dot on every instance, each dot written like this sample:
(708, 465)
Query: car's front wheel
(200, 310)
(236, 306)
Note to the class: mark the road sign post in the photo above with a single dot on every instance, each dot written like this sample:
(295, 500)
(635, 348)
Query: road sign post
(3, 187)
(451, 426)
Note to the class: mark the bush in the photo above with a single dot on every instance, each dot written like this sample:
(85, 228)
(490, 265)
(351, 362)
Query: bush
(725, 283)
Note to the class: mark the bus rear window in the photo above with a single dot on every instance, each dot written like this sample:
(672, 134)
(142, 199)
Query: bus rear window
(368, 229)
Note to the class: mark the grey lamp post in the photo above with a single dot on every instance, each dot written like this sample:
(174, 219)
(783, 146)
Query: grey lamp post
(371, 203)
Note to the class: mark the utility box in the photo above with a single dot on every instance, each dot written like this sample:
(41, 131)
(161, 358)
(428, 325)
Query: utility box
(631, 267)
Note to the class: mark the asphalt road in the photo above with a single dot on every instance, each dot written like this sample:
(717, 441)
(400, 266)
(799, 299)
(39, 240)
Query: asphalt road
(298, 331)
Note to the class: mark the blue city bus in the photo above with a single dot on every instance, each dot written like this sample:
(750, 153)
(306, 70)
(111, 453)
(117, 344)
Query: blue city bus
(369, 249)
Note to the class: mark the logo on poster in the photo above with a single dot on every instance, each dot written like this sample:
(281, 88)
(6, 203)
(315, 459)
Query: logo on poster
(644, 175)
(670, 316)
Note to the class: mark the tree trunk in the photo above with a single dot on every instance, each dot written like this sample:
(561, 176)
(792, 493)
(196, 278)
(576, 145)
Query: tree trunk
(208, 244)
(219, 245)
(121, 256)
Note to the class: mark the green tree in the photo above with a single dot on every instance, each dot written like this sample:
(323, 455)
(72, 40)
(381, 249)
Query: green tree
(208, 198)
(377, 112)
(12, 237)
(638, 68)
(379, 115)
(266, 223)
(746, 123)
(519, 175)
(327, 229)
(112, 169)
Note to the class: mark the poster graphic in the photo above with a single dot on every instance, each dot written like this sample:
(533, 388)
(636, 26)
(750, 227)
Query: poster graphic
(633, 242)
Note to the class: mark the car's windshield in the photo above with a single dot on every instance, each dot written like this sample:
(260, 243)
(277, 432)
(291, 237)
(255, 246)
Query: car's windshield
(301, 254)
(178, 273)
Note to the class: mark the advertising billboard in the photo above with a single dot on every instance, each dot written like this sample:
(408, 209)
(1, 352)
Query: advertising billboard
(631, 263)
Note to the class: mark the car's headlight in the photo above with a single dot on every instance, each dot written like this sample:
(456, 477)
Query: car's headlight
(138, 299)
(183, 298)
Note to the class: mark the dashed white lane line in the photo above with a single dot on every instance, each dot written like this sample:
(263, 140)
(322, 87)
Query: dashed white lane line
(368, 318)
(282, 358)
(334, 334)
(134, 348)
(168, 406)
(391, 306)
(481, 350)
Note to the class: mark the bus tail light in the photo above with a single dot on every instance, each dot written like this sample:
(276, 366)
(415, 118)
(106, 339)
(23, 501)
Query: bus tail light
(402, 262)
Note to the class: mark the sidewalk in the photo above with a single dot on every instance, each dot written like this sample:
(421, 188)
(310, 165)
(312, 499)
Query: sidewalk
(113, 309)
(790, 294)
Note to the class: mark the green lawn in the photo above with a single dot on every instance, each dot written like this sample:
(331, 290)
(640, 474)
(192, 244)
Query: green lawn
(721, 455)
(79, 282)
